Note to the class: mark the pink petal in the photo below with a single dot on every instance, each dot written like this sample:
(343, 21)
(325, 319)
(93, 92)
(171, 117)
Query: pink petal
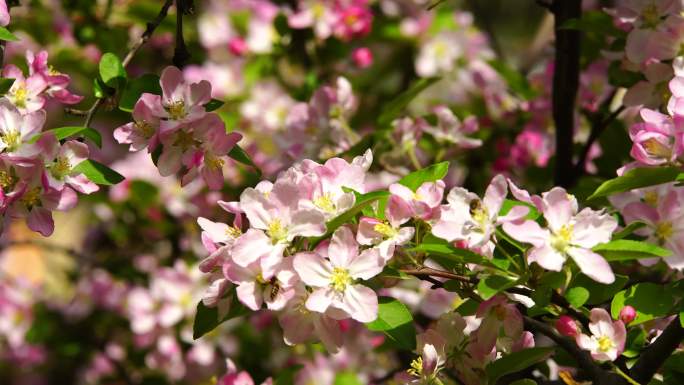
(343, 247)
(592, 264)
(312, 269)
(361, 303)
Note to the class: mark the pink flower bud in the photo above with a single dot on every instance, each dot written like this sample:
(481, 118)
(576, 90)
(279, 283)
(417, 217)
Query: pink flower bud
(627, 314)
(567, 326)
(237, 46)
(363, 57)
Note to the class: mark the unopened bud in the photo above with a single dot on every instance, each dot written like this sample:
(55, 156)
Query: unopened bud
(237, 46)
(567, 326)
(363, 57)
(627, 314)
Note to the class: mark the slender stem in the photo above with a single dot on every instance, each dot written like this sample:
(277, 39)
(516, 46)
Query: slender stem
(180, 54)
(427, 271)
(598, 126)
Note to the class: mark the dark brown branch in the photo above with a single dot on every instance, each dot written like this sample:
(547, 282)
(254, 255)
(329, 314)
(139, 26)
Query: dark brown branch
(429, 272)
(565, 85)
(655, 354)
(180, 53)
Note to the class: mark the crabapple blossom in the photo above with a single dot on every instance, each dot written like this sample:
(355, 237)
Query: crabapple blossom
(451, 130)
(569, 234)
(497, 314)
(425, 201)
(567, 326)
(386, 235)
(142, 132)
(608, 337)
(57, 82)
(26, 92)
(657, 140)
(363, 57)
(60, 161)
(473, 220)
(253, 289)
(332, 270)
(16, 130)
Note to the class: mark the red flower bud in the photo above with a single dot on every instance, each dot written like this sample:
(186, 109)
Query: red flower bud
(627, 314)
(567, 326)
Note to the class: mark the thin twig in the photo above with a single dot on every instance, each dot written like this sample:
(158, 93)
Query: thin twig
(655, 354)
(151, 27)
(598, 126)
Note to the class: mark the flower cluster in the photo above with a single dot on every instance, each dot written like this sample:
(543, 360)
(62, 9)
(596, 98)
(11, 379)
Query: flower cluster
(189, 139)
(37, 173)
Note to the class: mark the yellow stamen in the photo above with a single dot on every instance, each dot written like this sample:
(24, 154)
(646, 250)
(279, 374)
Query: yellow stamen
(60, 168)
(386, 230)
(176, 109)
(340, 279)
(31, 198)
(12, 139)
(325, 203)
(144, 128)
(664, 231)
(605, 344)
(651, 198)
(276, 231)
(561, 240)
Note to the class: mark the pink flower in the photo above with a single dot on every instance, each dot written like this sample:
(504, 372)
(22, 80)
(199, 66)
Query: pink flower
(4, 13)
(569, 234)
(567, 326)
(363, 57)
(354, 20)
(237, 46)
(253, 289)
(276, 219)
(450, 129)
(608, 337)
(425, 201)
(142, 131)
(467, 218)
(332, 271)
(497, 313)
(57, 82)
(60, 161)
(318, 14)
(432, 358)
(658, 140)
(16, 130)
(182, 102)
(25, 93)
(386, 235)
(650, 93)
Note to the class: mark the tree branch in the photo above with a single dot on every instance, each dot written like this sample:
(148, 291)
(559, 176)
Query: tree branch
(565, 85)
(180, 53)
(151, 27)
(655, 354)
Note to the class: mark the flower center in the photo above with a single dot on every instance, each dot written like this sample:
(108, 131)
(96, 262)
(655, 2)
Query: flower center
(664, 231)
(185, 141)
(276, 231)
(31, 198)
(12, 139)
(325, 203)
(20, 96)
(650, 15)
(655, 148)
(340, 279)
(60, 168)
(479, 213)
(562, 238)
(416, 367)
(386, 230)
(651, 198)
(605, 344)
(6, 180)
(233, 232)
(213, 162)
(144, 128)
(176, 109)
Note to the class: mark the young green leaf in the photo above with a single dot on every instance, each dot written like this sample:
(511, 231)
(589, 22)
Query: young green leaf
(627, 249)
(649, 299)
(6, 35)
(394, 108)
(516, 362)
(577, 296)
(213, 105)
(240, 155)
(98, 172)
(347, 378)
(395, 320)
(5, 85)
(208, 318)
(429, 174)
(87, 132)
(134, 88)
(637, 178)
(112, 71)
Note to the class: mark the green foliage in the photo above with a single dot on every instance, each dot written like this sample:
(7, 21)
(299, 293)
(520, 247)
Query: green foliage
(396, 321)
(649, 299)
(490, 285)
(287, 376)
(428, 174)
(112, 72)
(5, 85)
(626, 249)
(396, 107)
(98, 172)
(362, 201)
(93, 135)
(6, 35)
(577, 296)
(516, 81)
(447, 254)
(516, 362)
(637, 178)
(238, 154)
(346, 378)
(213, 105)
(208, 318)
(148, 83)
(598, 292)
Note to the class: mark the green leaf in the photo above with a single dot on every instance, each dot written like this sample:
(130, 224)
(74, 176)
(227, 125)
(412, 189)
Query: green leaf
(240, 155)
(112, 71)
(429, 174)
(598, 292)
(98, 172)
(207, 318)
(287, 376)
(6, 35)
(347, 378)
(395, 320)
(515, 79)
(362, 201)
(87, 132)
(5, 85)
(649, 299)
(577, 296)
(213, 105)
(493, 284)
(627, 249)
(395, 108)
(620, 77)
(508, 204)
(448, 255)
(516, 362)
(595, 22)
(628, 230)
(637, 178)
(148, 83)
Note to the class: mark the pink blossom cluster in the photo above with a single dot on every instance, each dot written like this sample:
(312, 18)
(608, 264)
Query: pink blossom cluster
(189, 139)
(37, 172)
(16, 317)
(607, 339)
(343, 19)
